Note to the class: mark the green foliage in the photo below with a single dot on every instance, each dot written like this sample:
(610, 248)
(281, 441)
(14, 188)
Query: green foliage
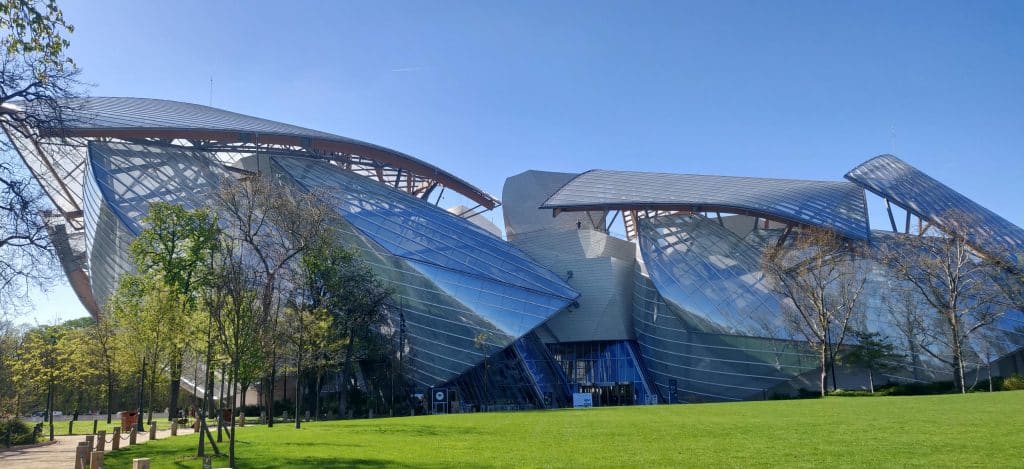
(873, 351)
(1012, 383)
(41, 360)
(882, 432)
(176, 246)
(35, 27)
(20, 432)
(854, 393)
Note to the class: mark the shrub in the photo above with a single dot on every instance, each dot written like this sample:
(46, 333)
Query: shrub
(855, 393)
(1012, 383)
(21, 433)
(916, 389)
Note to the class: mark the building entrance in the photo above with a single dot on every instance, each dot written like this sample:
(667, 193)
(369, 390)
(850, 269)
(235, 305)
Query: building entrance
(610, 394)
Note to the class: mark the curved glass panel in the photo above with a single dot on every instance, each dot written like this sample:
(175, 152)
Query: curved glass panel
(908, 187)
(701, 267)
(417, 230)
(837, 205)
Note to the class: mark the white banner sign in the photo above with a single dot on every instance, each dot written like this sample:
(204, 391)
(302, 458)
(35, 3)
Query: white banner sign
(582, 399)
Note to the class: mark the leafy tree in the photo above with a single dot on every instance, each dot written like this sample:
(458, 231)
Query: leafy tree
(821, 285)
(138, 309)
(240, 325)
(875, 353)
(10, 392)
(42, 362)
(35, 28)
(99, 349)
(81, 368)
(174, 248)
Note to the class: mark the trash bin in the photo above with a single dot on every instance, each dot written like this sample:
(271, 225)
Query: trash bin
(128, 420)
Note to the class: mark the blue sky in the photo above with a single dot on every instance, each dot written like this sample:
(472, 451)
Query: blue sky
(487, 89)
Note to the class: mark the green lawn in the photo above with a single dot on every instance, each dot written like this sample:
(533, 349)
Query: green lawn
(981, 429)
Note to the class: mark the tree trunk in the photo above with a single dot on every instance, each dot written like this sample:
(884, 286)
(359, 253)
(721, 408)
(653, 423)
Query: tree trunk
(78, 404)
(270, 399)
(220, 411)
(823, 365)
(234, 410)
(142, 391)
(201, 415)
(152, 391)
(316, 397)
(298, 393)
(175, 390)
(49, 407)
(346, 376)
(871, 381)
(110, 397)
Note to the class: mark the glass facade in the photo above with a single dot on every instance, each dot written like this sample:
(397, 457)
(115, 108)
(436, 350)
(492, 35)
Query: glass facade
(708, 325)
(122, 179)
(604, 367)
(463, 294)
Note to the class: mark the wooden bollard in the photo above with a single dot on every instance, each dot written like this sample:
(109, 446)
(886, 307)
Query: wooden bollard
(96, 460)
(101, 440)
(115, 442)
(140, 463)
(174, 428)
(132, 435)
(90, 441)
(152, 431)
(80, 454)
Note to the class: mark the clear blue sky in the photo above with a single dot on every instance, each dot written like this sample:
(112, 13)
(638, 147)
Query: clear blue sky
(487, 89)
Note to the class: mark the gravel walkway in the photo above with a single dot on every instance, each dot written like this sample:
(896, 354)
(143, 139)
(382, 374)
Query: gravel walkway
(61, 453)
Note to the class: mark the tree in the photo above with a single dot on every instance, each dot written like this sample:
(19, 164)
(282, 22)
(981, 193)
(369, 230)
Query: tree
(138, 308)
(99, 345)
(241, 325)
(820, 282)
(309, 333)
(875, 352)
(41, 362)
(959, 286)
(36, 80)
(174, 248)
(272, 225)
(81, 368)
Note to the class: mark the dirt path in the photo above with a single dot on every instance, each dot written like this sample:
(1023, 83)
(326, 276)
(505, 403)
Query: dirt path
(61, 453)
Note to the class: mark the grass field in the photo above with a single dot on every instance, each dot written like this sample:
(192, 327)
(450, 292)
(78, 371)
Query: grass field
(981, 429)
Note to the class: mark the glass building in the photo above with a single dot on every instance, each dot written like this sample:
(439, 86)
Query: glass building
(634, 288)
(466, 300)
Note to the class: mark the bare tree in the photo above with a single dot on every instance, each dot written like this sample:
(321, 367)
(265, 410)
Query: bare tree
(273, 224)
(820, 281)
(960, 286)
